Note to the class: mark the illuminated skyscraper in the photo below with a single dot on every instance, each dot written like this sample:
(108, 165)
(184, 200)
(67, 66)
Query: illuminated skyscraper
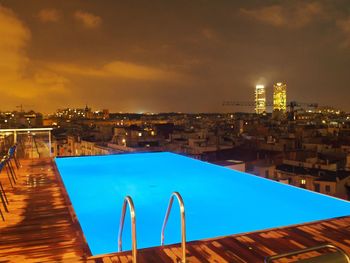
(260, 99)
(280, 97)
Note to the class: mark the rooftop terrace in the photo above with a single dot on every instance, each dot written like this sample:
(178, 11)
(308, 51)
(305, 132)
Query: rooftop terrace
(41, 227)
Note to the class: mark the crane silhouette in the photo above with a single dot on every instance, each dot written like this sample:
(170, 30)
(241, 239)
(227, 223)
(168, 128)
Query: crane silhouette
(21, 107)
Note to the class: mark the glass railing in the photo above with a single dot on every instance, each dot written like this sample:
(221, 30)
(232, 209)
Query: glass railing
(31, 142)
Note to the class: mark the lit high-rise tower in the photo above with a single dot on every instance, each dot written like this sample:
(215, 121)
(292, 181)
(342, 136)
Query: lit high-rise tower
(260, 99)
(280, 97)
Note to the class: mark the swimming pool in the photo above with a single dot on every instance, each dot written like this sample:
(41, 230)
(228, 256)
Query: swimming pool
(218, 201)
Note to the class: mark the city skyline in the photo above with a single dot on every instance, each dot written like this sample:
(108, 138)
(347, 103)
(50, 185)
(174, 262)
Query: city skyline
(171, 57)
(112, 110)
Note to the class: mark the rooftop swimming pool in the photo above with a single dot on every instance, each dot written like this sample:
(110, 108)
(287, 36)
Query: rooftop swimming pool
(218, 201)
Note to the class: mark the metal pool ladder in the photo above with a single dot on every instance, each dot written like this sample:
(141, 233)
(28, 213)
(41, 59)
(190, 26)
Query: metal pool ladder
(183, 223)
(128, 201)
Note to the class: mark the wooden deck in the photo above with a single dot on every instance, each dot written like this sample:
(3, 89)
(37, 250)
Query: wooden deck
(40, 228)
(252, 247)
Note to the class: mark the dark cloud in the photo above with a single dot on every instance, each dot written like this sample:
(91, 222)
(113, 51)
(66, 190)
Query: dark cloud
(344, 25)
(172, 55)
(49, 15)
(89, 20)
(297, 15)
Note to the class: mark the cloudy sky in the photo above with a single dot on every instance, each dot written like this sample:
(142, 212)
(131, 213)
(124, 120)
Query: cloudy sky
(179, 55)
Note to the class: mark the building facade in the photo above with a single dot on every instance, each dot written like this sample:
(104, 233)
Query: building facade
(280, 97)
(260, 99)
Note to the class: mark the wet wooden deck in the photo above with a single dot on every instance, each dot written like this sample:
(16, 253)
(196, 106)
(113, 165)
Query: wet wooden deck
(252, 247)
(40, 228)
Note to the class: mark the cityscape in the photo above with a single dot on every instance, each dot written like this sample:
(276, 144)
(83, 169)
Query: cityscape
(302, 144)
(109, 109)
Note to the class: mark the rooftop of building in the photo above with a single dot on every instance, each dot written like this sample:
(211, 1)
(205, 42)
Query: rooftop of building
(228, 162)
(329, 176)
(320, 174)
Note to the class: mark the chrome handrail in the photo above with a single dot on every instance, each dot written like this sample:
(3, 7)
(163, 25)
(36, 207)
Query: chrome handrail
(306, 250)
(183, 223)
(128, 201)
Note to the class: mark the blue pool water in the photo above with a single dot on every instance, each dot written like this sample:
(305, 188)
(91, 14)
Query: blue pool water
(218, 201)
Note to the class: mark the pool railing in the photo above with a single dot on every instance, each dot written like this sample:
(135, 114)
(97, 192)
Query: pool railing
(183, 223)
(129, 202)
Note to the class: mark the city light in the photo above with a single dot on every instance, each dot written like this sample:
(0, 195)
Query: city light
(260, 99)
(280, 97)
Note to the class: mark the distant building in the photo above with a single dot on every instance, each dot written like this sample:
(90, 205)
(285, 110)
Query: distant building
(335, 183)
(71, 113)
(105, 114)
(260, 99)
(264, 169)
(280, 97)
(88, 113)
(136, 138)
(232, 164)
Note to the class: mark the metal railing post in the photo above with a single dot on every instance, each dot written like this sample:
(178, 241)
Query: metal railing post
(50, 154)
(183, 223)
(128, 201)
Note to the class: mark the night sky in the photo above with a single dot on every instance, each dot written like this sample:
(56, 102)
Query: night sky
(160, 56)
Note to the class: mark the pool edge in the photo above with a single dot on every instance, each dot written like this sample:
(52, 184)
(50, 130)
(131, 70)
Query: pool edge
(73, 216)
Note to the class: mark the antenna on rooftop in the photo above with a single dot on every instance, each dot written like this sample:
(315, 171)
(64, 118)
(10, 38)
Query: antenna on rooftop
(21, 107)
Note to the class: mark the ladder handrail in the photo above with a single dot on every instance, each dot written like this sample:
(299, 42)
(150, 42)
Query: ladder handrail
(128, 201)
(305, 250)
(183, 223)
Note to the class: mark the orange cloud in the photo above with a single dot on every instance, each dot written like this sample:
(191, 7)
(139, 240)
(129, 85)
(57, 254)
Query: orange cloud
(16, 81)
(117, 69)
(14, 36)
(295, 16)
(272, 15)
(344, 25)
(135, 71)
(49, 15)
(209, 34)
(89, 20)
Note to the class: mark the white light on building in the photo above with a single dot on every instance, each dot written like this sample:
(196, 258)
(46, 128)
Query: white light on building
(260, 99)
